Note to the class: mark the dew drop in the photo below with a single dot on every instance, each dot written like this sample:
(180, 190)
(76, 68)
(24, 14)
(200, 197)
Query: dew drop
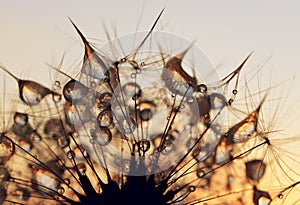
(56, 97)
(200, 173)
(93, 84)
(133, 75)
(167, 146)
(146, 114)
(230, 101)
(74, 91)
(126, 165)
(25, 144)
(234, 91)
(243, 130)
(132, 89)
(138, 71)
(81, 168)
(217, 101)
(261, 197)
(22, 194)
(104, 99)
(57, 83)
(126, 125)
(60, 190)
(192, 188)
(102, 135)
(144, 145)
(202, 88)
(31, 92)
(81, 152)
(35, 137)
(255, 169)
(20, 119)
(71, 154)
(280, 196)
(7, 148)
(105, 118)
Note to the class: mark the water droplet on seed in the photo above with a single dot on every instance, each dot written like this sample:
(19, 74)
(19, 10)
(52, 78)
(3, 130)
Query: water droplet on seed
(144, 145)
(102, 135)
(71, 154)
(104, 99)
(31, 92)
(7, 148)
(202, 88)
(74, 91)
(132, 89)
(127, 125)
(217, 101)
(60, 190)
(105, 118)
(20, 119)
(133, 75)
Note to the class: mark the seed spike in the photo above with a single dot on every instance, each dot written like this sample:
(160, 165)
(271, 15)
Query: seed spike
(261, 103)
(61, 72)
(9, 73)
(88, 49)
(93, 65)
(147, 36)
(182, 54)
(236, 71)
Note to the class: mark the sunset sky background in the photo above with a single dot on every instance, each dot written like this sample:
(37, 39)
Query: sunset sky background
(34, 33)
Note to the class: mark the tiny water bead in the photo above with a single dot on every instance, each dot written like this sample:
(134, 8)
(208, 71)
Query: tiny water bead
(202, 88)
(255, 169)
(126, 125)
(144, 145)
(7, 148)
(21, 194)
(102, 135)
(71, 154)
(146, 114)
(132, 90)
(74, 91)
(103, 99)
(105, 118)
(20, 119)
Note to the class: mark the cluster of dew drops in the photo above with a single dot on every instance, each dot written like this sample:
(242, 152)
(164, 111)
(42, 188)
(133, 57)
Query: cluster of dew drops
(139, 115)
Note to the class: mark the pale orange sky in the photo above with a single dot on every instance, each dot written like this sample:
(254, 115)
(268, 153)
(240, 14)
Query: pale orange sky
(34, 33)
